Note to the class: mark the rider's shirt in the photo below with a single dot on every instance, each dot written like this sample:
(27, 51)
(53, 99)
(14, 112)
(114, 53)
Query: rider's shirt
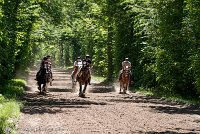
(77, 63)
(43, 62)
(88, 62)
(126, 64)
(49, 62)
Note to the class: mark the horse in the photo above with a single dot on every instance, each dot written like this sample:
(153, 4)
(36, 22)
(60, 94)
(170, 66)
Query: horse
(83, 79)
(125, 80)
(44, 78)
(73, 78)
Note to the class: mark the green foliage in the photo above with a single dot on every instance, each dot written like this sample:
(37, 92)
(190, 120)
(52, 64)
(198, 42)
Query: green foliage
(147, 65)
(17, 82)
(161, 39)
(9, 112)
(9, 107)
(14, 88)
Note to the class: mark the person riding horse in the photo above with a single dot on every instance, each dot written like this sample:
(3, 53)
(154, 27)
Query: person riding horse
(77, 64)
(84, 76)
(125, 64)
(88, 62)
(45, 60)
(43, 76)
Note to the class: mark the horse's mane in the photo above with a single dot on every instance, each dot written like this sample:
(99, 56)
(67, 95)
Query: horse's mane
(84, 73)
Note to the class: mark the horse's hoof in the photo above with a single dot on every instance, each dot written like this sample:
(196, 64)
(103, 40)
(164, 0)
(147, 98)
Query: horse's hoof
(83, 95)
(80, 94)
(44, 91)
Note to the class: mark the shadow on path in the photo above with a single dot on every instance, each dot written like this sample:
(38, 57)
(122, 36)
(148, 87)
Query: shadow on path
(168, 107)
(40, 104)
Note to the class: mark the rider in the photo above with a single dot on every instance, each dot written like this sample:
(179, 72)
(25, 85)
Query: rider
(44, 60)
(125, 63)
(77, 63)
(89, 65)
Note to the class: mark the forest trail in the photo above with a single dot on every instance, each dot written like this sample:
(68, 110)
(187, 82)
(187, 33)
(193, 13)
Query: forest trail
(103, 111)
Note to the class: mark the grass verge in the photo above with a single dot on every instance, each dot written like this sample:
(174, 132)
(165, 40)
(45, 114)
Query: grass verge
(10, 105)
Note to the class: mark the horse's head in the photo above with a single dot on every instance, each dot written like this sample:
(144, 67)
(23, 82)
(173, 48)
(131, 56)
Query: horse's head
(46, 67)
(84, 66)
(126, 70)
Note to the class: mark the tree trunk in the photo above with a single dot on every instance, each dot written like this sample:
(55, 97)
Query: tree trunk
(109, 43)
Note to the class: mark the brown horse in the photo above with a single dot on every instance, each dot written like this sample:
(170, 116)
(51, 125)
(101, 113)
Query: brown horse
(83, 79)
(44, 78)
(124, 80)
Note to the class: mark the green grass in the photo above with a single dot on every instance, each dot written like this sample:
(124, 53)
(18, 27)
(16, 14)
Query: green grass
(10, 105)
(98, 78)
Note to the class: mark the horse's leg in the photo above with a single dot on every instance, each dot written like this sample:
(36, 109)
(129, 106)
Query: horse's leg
(120, 86)
(44, 87)
(125, 88)
(39, 87)
(127, 84)
(85, 86)
(80, 89)
(73, 84)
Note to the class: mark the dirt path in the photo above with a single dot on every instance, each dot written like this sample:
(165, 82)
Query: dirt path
(103, 111)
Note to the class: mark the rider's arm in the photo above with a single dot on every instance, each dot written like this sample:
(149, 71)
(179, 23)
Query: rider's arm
(130, 65)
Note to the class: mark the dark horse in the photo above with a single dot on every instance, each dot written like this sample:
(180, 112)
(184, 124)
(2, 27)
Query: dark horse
(43, 78)
(124, 80)
(83, 79)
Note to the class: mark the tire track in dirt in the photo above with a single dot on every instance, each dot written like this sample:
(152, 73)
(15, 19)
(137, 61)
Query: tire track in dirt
(103, 111)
